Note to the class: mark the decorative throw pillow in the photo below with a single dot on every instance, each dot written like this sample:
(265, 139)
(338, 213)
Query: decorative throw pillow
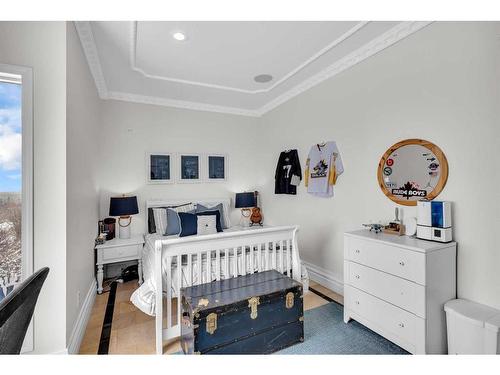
(160, 218)
(173, 221)
(151, 221)
(212, 213)
(207, 224)
(220, 207)
(188, 223)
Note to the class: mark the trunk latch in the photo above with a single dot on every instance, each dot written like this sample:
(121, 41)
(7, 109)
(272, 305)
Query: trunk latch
(289, 300)
(253, 303)
(211, 323)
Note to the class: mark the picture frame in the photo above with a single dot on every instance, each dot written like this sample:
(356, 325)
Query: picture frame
(216, 167)
(190, 168)
(159, 168)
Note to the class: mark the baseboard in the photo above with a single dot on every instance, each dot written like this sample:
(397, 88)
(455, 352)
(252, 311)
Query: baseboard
(324, 277)
(81, 321)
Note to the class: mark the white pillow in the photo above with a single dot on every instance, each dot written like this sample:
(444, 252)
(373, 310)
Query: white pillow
(207, 224)
(160, 216)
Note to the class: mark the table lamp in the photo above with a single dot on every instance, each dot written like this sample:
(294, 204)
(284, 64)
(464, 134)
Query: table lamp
(245, 201)
(123, 207)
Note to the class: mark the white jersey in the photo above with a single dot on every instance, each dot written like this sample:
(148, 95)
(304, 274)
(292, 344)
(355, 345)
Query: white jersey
(321, 159)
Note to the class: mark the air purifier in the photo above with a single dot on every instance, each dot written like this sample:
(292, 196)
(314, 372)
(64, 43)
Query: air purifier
(434, 221)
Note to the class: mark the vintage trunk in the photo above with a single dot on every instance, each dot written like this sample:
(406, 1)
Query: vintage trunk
(253, 314)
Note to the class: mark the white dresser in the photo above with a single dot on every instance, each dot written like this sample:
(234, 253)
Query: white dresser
(397, 286)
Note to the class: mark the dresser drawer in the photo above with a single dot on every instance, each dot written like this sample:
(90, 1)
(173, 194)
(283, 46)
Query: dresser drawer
(400, 292)
(121, 252)
(391, 259)
(408, 328)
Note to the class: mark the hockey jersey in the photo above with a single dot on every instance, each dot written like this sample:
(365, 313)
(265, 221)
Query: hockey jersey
(323, 167)
(288, 173)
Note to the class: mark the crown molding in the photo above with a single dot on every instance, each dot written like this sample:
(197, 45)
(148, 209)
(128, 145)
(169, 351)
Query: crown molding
(195, 106)
(385, 40)
(314, 57)
(390, 37)
(84, 30)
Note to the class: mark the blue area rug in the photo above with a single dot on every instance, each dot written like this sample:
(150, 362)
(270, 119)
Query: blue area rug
(326, 333)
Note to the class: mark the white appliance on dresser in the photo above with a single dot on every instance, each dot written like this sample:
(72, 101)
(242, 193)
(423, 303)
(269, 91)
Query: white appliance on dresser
(397, 286)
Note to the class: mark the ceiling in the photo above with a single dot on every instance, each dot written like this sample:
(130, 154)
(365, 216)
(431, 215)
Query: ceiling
(213, 69)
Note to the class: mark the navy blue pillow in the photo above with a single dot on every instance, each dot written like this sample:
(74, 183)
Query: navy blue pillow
(211, 213)
(173, 221)
(189, 224)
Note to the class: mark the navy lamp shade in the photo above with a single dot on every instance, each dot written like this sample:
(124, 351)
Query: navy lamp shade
(123, 207)
(245, 200)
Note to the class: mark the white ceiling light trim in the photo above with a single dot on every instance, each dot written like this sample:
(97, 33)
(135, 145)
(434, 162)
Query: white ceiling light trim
(143, 99)
(317, 55)
(389, 38)
(84, 30)
(385, 40)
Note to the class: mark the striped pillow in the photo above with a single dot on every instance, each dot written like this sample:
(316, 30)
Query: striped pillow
(160, 216)
(184, 208)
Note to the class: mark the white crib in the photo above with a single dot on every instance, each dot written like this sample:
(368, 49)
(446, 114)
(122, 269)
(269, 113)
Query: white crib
(231, 254)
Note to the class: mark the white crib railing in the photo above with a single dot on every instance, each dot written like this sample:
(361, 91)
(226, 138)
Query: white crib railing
(199, 259)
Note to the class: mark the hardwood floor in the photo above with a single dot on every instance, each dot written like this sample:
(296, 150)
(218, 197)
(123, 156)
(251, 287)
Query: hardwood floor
(132, 331)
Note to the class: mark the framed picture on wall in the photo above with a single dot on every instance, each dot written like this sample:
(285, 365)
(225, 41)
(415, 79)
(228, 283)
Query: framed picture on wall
(159, 168)
(216, 166)
(190, 167)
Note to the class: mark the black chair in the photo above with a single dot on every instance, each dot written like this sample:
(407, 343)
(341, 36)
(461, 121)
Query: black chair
(16, 311)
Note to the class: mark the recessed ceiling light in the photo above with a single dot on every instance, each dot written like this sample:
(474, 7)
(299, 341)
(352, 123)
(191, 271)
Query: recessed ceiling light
(263, 78)
(178, 35)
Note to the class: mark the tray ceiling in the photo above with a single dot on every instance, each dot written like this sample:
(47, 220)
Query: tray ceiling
(215, 67)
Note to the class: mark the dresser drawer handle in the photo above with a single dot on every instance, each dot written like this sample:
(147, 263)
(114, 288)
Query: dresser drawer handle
(401, 325)
(357, 276)
(356, 251)
(401, 263)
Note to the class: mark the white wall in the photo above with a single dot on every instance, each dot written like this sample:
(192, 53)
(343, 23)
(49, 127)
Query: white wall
(42, 46)
(82, 194)
(440, 84)
(131, 130)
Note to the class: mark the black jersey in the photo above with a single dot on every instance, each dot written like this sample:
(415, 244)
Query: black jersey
(288, 166)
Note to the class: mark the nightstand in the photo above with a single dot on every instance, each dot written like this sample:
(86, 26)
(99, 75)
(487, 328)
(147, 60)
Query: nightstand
(119, 250)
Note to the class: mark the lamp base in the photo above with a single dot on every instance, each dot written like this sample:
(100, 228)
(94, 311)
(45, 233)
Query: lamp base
(245, 217)
(124, 232)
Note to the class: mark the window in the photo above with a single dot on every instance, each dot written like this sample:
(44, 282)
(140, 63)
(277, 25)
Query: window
(10, 183)
(16, 202)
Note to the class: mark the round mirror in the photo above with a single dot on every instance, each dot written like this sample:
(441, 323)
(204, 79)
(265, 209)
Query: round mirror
(411, 170)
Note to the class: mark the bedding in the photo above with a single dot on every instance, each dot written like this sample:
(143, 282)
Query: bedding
(160, 220)
(220, 207)
(189, 224)
(173, 220)
(217, 218)
(207, 224)
(151, 217)
(144, 297)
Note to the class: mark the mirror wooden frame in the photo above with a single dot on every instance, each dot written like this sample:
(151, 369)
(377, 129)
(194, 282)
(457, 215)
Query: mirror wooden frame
(420, 142)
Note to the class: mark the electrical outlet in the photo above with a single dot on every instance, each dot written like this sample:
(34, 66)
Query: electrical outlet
(78, 298)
